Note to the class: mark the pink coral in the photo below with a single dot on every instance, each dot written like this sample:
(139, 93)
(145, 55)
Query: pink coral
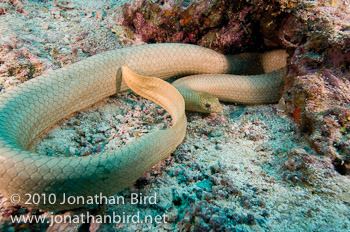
(219, 25)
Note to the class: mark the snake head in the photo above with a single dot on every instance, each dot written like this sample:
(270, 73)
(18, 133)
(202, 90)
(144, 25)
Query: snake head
(199, 101)
(207, 104)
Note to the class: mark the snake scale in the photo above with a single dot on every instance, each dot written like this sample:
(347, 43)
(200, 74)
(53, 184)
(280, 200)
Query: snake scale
(34, 106)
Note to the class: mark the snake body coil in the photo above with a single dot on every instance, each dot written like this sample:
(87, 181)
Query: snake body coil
(37, 104)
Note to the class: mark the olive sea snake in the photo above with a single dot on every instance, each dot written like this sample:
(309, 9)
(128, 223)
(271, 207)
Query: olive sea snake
(37, 104)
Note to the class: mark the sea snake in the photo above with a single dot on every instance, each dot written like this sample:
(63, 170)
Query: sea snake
(35, 105)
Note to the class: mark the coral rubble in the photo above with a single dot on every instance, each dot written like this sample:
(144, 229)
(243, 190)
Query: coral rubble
(318, 89)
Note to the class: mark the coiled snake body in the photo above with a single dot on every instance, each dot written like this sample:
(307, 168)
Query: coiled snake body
(37, 104)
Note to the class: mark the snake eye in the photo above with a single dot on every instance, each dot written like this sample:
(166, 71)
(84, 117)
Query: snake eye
(207, 105)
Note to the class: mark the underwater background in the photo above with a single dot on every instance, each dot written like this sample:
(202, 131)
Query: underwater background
(277, 167)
